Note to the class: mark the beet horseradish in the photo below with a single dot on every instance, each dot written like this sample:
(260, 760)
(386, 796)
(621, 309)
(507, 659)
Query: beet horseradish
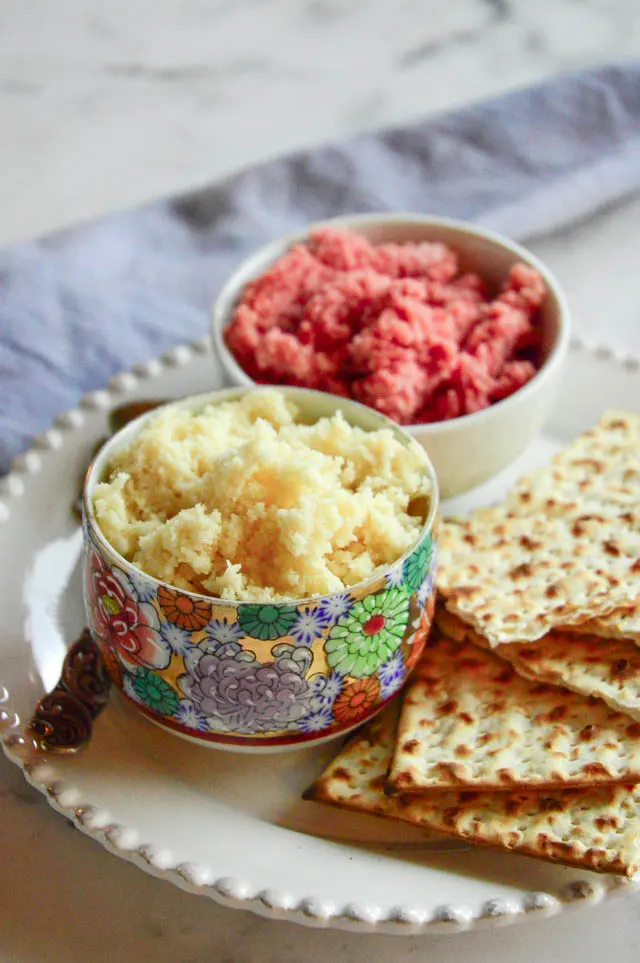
(396, 326)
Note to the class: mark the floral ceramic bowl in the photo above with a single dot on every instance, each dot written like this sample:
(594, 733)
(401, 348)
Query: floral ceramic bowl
(250, 676)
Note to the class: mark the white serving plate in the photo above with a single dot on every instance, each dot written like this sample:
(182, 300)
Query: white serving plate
(226, 826)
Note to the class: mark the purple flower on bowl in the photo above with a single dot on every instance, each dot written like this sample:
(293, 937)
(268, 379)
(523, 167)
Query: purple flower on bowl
(188, 715)
(309, 624)
(325, 689)
(334, 606)
(391, 674)
(236, 693)
(178, 639)
(317, 720)
(223, 631)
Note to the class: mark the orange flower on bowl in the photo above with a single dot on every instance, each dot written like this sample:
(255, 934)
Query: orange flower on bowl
(355, 699)
(183, 611)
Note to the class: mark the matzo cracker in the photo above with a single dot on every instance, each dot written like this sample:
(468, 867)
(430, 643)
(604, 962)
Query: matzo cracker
(597, 829)
(602, 466)
(513, 578)
(608, 669)
(622, 623)
(469, 720)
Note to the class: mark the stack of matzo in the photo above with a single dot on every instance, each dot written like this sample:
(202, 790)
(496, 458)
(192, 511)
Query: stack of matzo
(520, 727)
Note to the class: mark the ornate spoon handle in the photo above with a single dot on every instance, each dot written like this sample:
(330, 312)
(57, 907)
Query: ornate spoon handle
(63, 719)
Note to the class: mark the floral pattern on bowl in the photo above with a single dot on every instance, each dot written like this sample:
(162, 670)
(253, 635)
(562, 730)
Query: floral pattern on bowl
(258, 674)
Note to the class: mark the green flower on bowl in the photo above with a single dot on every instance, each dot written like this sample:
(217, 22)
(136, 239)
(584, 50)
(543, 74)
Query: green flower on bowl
(155, 692)
(417, 565)
(266, 622)
(369, 633)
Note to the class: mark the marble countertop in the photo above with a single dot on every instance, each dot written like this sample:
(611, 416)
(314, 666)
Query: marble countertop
(105, 105)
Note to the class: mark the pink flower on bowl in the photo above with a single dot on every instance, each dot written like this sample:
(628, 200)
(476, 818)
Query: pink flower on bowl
(129, 627)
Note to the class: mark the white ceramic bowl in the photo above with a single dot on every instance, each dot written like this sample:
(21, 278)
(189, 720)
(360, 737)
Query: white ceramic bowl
(465, 451)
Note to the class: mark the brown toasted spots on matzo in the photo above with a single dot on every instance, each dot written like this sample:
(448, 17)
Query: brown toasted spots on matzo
(462, 750)
(342, 774)
(595, 769)
(446, 708)
(606, 822)
(410, 746)
(524, 570)
(405, 780)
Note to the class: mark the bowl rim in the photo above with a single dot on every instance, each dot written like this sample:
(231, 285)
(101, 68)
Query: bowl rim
(256, 262)
(132, 428)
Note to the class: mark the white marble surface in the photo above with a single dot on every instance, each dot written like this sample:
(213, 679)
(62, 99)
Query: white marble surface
(103, 105)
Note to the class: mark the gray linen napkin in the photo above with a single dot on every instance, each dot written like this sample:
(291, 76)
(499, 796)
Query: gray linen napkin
(79, 306)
